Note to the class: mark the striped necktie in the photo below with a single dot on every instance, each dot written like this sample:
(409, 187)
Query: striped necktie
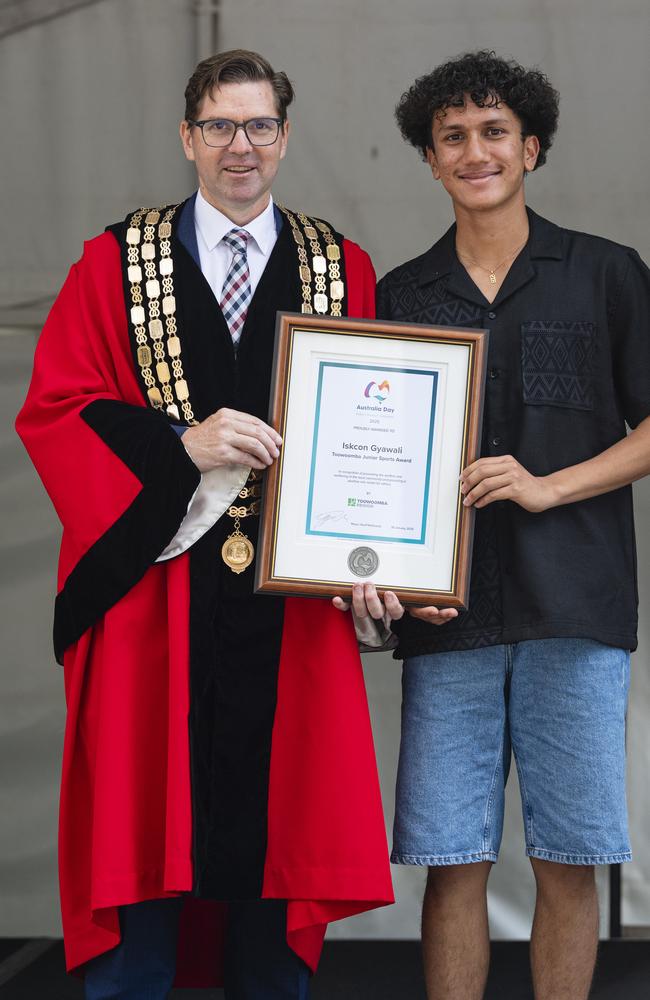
(236, 292)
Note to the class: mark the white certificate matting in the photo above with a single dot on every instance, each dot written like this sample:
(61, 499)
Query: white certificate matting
(374, 461)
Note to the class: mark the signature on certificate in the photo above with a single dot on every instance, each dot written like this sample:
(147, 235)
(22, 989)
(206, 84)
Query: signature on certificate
(331, 517)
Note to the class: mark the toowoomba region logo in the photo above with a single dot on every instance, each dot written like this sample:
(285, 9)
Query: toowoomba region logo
(379, 392)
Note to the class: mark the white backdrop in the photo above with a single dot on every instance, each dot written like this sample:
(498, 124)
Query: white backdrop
(89, 117)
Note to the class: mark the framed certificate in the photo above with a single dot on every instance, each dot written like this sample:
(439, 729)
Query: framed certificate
(378, 419)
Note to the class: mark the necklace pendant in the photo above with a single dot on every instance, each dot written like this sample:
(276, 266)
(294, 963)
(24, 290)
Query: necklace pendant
(237, 551)
(493, 278)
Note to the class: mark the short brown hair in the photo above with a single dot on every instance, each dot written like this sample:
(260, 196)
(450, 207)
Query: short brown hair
(235, 66)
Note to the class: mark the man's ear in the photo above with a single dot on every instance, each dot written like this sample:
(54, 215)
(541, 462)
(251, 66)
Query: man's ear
(185, 130)
(433, 163)
(531, 152)
(284, 137)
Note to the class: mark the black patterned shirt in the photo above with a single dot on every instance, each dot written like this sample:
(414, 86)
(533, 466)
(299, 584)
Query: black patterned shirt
(568, 367)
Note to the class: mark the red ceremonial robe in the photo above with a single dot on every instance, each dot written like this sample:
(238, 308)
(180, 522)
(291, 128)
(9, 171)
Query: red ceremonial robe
(121, 481)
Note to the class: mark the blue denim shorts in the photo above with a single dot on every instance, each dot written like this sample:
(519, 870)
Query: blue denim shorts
(559, 705)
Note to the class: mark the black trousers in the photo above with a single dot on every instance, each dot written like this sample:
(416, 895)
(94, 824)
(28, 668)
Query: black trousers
(259, 965)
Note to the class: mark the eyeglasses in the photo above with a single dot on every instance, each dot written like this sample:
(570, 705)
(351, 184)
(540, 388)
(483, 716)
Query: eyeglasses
(222, 131)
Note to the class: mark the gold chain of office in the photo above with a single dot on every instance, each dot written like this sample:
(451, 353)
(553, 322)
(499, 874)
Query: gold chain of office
(149, 262)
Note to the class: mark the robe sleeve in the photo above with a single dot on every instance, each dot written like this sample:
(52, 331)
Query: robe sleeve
(216, 491)
(115, 470)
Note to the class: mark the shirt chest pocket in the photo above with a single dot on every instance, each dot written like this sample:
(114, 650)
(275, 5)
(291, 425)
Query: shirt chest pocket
(557, 361)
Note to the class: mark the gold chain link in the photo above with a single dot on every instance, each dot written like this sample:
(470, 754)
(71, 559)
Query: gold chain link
(250, 511)
(252, 488)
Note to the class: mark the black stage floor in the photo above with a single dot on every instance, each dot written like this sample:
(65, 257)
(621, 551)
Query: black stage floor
(350, 970)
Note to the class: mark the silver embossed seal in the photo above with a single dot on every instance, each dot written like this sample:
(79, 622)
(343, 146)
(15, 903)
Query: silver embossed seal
(363, 561)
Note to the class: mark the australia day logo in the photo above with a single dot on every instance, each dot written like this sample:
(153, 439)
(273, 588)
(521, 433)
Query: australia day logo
(379, 392)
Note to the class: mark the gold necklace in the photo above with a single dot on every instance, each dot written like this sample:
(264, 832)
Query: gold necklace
(491, 270)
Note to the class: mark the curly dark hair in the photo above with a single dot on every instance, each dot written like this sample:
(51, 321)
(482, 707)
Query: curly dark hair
(489, 81)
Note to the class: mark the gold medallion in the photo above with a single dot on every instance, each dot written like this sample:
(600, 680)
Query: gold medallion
(237, 551)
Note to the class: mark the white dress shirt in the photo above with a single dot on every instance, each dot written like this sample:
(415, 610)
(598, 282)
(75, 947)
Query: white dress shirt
(219, 487)
(216, 257)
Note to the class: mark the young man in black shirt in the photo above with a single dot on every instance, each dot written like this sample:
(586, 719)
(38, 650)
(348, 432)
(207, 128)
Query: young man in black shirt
(539, 663)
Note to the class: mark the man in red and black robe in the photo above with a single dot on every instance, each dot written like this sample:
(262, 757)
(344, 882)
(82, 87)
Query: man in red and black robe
(219, 782)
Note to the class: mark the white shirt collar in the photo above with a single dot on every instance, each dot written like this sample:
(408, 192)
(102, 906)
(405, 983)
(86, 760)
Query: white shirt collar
(213, 225)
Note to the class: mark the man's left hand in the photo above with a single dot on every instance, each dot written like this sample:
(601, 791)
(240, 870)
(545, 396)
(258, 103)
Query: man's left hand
(502, 477)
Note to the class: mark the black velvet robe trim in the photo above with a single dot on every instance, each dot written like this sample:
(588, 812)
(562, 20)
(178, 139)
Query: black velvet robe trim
(146, 444)
(235, 636)
(234, 654)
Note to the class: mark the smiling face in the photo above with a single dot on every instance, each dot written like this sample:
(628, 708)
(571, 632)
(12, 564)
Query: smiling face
(480, 156)
(236, 179)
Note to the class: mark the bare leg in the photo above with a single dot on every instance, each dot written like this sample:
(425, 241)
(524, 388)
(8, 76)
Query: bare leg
(455, 933)
(565, 931)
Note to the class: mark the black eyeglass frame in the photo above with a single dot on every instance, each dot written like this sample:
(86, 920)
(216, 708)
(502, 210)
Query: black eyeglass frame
(238, 125)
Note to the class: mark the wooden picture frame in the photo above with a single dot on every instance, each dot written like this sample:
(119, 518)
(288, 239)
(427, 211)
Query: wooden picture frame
(378, 419)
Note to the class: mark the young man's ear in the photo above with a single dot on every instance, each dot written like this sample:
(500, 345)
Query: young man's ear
(531, 152)
(433, 163)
